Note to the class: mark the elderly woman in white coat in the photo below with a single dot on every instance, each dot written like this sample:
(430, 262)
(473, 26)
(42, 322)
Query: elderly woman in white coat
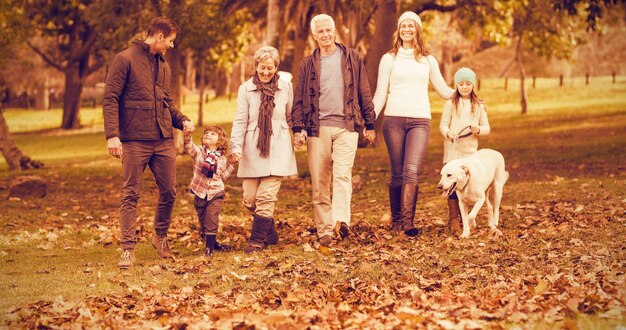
(261, 141)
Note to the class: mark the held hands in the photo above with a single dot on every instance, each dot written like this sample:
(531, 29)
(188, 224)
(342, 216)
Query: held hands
(475, 130)
(115, 147)
(452, 137)
(234, 158)
(369, 135)
(299, 139)
(188, 127)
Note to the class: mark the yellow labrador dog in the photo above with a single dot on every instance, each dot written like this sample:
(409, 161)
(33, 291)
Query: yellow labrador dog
(474, 178)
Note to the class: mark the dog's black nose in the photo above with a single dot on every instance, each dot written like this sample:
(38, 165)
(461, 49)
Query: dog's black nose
(440, 186)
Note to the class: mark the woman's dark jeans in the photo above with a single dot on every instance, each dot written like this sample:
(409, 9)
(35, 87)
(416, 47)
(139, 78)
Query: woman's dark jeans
(407, 141)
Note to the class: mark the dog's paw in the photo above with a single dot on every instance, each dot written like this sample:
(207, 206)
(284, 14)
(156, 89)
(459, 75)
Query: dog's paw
(465, 234)
(495, 231)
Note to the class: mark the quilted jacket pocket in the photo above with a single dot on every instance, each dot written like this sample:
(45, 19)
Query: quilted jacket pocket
(138, 120)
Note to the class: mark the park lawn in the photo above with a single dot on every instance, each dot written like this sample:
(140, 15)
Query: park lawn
(559, 263)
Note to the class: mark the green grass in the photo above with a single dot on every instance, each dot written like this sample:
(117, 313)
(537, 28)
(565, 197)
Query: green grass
(562, 219)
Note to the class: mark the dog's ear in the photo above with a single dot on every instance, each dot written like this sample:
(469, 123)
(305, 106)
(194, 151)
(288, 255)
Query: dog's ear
(465, 169)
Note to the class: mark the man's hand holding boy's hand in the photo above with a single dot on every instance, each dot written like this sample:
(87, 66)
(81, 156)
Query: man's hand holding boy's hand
(188, 127)
(369, 135)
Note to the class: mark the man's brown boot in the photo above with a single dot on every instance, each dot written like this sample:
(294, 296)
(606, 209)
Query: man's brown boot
(162, 247)
(127, 260)
(454, 219)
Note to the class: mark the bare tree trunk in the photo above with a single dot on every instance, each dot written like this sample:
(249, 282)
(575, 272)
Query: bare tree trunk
(220, 89)
(190, 71)
(385, 26)
(273, 21)
(173, 58)
(201, 92)
(42, 96)
(14, 157)
(299, 46)
(522, 75)
(446, 62)
(242, 71)
(10, 151)
(174, 12)
(71, 97)
(229, 83)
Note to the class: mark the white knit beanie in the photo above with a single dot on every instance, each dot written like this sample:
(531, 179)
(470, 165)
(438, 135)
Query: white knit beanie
(464, 74)
(411, 15)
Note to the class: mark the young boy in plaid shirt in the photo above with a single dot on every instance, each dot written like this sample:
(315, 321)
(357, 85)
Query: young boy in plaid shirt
(210, 168)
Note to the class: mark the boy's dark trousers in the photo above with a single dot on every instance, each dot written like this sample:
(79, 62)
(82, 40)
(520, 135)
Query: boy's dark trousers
(209, 213)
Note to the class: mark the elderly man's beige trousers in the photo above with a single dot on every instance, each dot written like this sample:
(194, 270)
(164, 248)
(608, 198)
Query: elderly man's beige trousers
(331, 157)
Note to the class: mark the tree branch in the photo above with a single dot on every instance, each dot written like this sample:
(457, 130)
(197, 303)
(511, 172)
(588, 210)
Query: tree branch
(95, 67)
(157, 7)
(86, 48)
(432, 5)
(45, 57)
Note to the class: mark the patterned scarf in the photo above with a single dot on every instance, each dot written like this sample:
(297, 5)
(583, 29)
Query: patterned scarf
(209, 166)
(265, 112)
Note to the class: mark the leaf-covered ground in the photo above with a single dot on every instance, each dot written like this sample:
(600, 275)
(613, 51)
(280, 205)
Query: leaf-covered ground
(560, 262)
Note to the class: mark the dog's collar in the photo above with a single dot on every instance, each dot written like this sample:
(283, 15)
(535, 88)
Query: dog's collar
(466, 182)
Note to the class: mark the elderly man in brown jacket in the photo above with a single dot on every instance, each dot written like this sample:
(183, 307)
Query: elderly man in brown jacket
(139, 115)
(332, 102)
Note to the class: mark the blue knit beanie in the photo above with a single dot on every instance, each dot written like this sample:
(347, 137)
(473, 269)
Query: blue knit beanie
(464, 74)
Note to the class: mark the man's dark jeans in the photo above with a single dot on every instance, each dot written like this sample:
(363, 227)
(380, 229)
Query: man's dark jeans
(160, 156)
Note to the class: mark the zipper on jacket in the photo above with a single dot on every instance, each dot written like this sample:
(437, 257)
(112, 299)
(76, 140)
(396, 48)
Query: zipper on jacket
(155, 74)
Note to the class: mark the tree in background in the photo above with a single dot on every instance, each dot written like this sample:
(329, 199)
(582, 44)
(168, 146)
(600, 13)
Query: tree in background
(13, 31)
(217, 42)
(537, 30)
(77, 38)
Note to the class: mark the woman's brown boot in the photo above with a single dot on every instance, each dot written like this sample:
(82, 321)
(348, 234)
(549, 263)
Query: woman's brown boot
(410, 191)
(395, 204)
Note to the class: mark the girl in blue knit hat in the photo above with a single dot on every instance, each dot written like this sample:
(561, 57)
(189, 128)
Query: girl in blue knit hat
(464, 118)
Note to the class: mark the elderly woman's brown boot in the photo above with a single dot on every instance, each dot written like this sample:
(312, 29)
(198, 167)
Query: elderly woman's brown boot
(258, 233)
(272, 234)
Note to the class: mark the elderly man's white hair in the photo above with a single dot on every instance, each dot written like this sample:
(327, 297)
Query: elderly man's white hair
(321, 18)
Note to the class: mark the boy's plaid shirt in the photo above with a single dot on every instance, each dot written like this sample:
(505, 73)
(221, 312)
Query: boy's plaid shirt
(202, 186)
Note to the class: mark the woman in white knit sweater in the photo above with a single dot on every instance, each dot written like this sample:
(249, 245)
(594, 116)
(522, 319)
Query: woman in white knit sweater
(403, 77)
(464, 118)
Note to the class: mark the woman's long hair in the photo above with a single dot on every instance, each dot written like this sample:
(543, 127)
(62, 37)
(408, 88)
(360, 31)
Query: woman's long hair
(474, 101)
(418, 43)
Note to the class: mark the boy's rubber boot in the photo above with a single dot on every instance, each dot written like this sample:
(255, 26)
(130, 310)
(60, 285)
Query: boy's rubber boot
(209, 245)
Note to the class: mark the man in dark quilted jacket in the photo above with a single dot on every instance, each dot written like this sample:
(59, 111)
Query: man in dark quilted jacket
(139, 117)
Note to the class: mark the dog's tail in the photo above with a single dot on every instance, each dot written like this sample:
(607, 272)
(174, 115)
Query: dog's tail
(506, 176)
